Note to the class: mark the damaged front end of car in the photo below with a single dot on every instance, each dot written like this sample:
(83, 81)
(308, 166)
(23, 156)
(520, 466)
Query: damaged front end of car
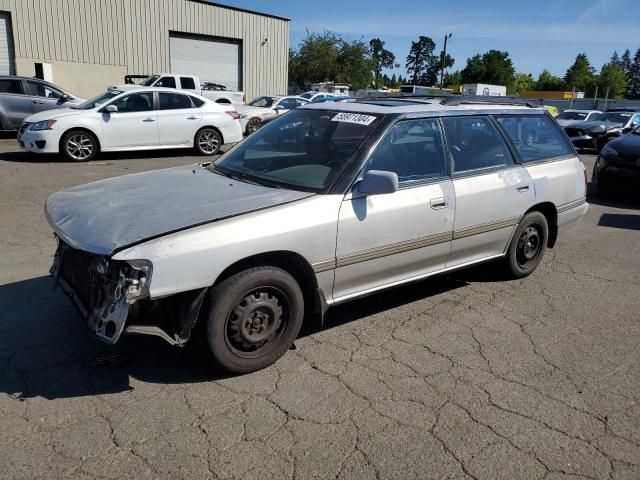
(103, 290)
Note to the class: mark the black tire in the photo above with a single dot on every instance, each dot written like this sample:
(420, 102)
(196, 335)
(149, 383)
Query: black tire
(252, 318)
(79, 146)
(207, 141)
(528, 245)
(253, 125)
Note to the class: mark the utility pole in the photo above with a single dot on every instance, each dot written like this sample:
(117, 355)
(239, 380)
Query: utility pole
(444, 55)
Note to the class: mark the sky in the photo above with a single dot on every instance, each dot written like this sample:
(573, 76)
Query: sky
(537, 34)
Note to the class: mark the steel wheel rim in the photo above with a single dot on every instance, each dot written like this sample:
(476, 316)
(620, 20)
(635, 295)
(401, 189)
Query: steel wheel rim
(79, 146)
(256, 321)
(529, 245)
(208, 141)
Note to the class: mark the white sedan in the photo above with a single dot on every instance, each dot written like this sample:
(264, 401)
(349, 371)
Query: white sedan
(132, 118)
(265, 108)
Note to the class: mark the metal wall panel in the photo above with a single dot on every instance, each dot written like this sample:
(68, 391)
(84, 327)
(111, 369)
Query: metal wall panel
(135, 34)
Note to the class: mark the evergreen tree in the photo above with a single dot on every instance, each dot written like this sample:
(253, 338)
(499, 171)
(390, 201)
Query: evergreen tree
(633, 86)
(394, 80)
(613, 78)
(626, 61)
(615, 59)
(581, 75)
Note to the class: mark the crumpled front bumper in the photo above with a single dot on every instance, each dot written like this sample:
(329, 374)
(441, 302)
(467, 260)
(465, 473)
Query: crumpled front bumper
(99, 291)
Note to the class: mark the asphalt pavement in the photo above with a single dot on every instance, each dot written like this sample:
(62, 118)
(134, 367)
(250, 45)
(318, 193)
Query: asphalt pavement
(462, 376)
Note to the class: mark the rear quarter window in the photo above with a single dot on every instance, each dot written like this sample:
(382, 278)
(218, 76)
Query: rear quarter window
(536, 137)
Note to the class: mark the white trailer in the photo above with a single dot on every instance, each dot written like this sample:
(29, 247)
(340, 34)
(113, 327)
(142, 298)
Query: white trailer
(484, 89)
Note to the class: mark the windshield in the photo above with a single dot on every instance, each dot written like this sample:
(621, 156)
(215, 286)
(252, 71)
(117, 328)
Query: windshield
(304, 150)
(572, 116)
(149, 80)
(264, 102)
(101, 99)
(614, 117)
(308, 95)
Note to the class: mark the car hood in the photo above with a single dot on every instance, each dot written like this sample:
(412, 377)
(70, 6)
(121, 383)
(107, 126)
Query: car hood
(109, 215)
(594, 125)
(573, 123)
(249, 109)
(628, 144)
(55, 113)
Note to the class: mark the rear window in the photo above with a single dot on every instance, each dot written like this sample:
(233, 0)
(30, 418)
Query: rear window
(10, 86)
(536, 137)
(187, 83)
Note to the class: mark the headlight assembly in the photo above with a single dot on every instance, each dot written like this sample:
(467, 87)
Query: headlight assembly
(43, 125)
(138, 279)
(609, 151)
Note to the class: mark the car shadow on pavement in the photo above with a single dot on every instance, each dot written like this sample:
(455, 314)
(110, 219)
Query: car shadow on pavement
(27, 157)
(620, 220)
(624, 196)
(46, 351)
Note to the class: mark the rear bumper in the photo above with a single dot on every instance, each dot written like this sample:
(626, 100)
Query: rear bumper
(572, 213)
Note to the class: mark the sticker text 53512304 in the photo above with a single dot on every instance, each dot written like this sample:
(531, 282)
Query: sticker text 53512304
(354, 118)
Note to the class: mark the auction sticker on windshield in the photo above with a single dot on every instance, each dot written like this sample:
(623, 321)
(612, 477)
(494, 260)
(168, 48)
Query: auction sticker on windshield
(353, 118)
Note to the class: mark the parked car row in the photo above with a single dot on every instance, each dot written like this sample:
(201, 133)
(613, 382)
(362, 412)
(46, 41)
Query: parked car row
(593, 129)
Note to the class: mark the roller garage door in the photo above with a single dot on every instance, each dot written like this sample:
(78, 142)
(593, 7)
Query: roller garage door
(7, 66)
(212, 59)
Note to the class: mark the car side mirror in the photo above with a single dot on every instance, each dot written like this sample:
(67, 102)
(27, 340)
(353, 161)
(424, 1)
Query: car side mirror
(378, 182)
(628, 129)
(111, 108)
(65, 97)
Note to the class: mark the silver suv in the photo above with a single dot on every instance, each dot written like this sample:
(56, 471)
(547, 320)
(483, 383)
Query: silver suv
(330, 202)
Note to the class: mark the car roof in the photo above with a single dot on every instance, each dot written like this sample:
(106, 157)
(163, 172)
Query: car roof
(582, 110)
(406, 106)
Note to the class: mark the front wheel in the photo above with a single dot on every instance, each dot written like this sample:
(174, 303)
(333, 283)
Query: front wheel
(208, 141)
(252, 318)
(79, 146)
(528, 245)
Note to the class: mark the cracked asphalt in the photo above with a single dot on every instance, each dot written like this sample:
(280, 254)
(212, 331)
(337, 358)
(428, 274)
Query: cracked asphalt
(466, 376)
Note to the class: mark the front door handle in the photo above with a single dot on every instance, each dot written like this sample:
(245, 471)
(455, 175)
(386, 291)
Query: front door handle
(38, 102)
(437, 203)
(148, 120)
(523, 188)
(192, 118)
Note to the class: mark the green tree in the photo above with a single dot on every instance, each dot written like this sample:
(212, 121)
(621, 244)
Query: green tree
(581, 75)
(422, 65)
(493, 67)
(612, 76)
(327, 56)
(626, 61)
(633, 86)
(524, 82)
(547, 82)
(393, 81)
(452, 78)
(381, 58)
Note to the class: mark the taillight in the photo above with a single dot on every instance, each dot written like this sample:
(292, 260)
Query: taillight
(233, 114)
(585, 179)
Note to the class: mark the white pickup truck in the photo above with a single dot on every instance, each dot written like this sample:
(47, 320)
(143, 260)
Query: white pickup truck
(191, 83)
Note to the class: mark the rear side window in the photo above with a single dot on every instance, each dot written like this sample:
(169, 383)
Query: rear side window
(536, 137)
(413, 149)
(168, 82)
(174, 101)
(187, 83)
(475, 145)
(11, 86)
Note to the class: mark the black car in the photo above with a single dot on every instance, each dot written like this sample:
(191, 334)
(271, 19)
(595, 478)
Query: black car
(620, 158)
(603, 128)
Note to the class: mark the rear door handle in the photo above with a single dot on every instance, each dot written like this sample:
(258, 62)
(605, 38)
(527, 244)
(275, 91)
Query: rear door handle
(148, 120)
(523, 188)
(437, 203)
(38, 102)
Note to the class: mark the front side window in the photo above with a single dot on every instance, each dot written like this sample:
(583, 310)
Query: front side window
(43, 90)
(11, 86)
(147, 82)
(304, 150)
(173, 101)
(413, 149)
(168, 82)
(136, 102)
(536, 137)
(287, 103)
(187, 83)
(475, 145)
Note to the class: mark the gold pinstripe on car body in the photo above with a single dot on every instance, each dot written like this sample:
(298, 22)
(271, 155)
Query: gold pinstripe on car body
(485, 227)
(568, 206)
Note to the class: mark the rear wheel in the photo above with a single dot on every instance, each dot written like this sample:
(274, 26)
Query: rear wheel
(252, 318)
(208, 141)
(79, 146)
(253, 125)
(528, 244)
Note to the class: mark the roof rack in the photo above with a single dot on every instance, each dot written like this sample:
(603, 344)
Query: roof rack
(484, 99)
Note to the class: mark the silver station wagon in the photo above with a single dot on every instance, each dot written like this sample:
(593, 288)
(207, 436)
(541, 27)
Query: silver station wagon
(327, 203)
